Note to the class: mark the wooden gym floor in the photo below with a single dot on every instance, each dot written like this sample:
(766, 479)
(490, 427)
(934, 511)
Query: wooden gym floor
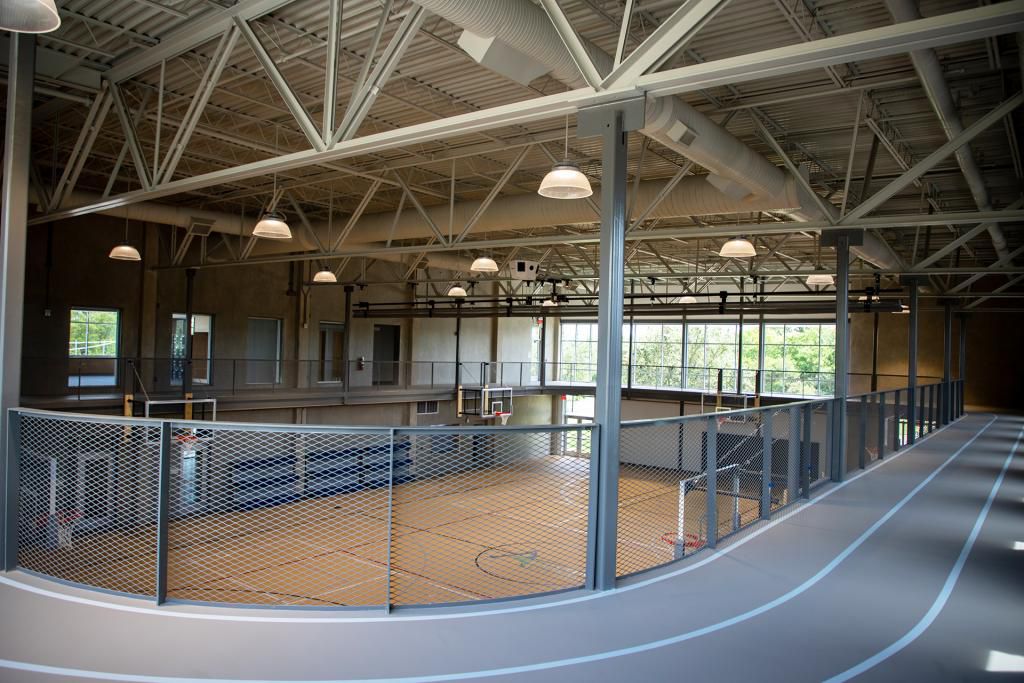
(477, 534)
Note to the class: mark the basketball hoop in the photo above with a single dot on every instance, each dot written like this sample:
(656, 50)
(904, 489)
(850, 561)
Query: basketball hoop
(503, 417)
(65, 521)
(687, 541)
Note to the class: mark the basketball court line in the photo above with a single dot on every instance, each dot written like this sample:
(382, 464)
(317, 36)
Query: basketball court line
(487, 610)
(609, 654)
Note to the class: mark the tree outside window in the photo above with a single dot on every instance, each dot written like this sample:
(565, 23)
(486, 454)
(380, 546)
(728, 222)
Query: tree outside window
(93, 333)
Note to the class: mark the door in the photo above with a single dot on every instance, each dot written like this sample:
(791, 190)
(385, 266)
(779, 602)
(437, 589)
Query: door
(331, 340)
(263, 351)
(385, 354)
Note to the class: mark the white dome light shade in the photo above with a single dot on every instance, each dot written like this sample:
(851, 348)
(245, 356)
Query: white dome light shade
(820, 279)
(688, 300)
(457, 290)
(905, 309)
(125, 252)
(565, 181)
(272, 227)
(325, 275)
(484, 264)
(29, 16)
(548, 303)
(737, 248)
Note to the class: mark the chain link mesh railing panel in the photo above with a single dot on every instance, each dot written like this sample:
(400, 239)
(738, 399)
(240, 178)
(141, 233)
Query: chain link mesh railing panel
(279, 517)
(87, 501)
(662, 495)
(487, 514)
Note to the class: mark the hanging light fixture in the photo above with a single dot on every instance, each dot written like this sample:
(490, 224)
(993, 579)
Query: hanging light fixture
(820, 279)
(904, 309)
(738, 247)
(272, 225)
(688, 299)
(457, 290)
(549, 302)
(565, 180)
(484, 264)
(325, 275)
(29, 16)
(125, 251)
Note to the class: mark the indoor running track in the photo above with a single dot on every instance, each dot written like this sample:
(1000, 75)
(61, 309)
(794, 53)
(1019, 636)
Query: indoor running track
(905, 572)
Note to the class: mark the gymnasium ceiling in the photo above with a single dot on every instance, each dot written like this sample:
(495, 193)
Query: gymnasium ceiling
(810, 114)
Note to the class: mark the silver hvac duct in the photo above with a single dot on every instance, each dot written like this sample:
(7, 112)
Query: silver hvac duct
(926, 63)
(516, 38)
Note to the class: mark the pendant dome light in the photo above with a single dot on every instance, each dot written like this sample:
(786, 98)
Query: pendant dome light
(457, 290)
(125, 251)
(738, 247)
(820, 279)
(565, 180)
(816, 278)
(687, 299)
(272, 225)
(484, 264)
(325, 275)
(29, 16)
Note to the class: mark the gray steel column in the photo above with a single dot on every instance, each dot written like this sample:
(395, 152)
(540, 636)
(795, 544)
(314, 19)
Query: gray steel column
(13, 233)
(793, 455)
(346, 336)
(458, 346)
(841, 241)
(962, 360)
(612, 122)
(912, 359)
(543, 349)
(947, 364)
(186, 375)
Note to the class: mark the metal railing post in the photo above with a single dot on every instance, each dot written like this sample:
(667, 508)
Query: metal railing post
(162, 511)
(896, 443)
(12, 487)
(793, 454)
(590, 579)
(766, 465)
(881, 425)
(391, 497)
(711, 480)
(735, 498)
(832, 435)
(805, 454)
(863, 440)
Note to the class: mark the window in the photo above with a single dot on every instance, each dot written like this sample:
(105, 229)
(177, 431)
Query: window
(657, 355)
(799, 359)
(263, 351)
(426, 408)
(94, 333)
(92, 347)
(202, 348)
(577, 352)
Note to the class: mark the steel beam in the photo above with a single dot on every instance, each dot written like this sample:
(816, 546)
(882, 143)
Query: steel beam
(198, 103)
(493, 194)
(423, 212)
(997, 290)
(331, 69)
(291, 100)
(386, 65)
(573, 44)
(969, 24)
(929, 162)
(988, 271)
(842, 354)
(912, 356)
(962, 239)
(94, 119)
(13, 237)
(131, 137)
(671, 36)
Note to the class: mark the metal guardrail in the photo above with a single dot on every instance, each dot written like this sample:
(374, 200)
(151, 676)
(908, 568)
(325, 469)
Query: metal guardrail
(311, 516)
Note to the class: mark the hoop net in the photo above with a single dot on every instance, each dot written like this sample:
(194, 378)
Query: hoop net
(503, 417)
